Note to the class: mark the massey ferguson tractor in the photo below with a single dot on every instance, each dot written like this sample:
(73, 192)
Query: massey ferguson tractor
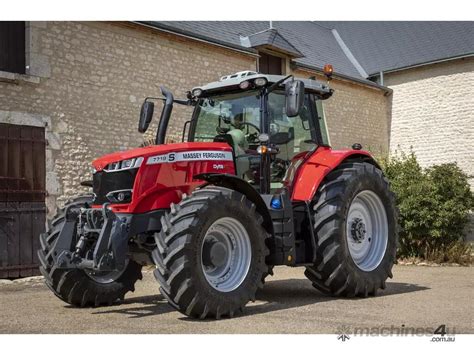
(253, 184)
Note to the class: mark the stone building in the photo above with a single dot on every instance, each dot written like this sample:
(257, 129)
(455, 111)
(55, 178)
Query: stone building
(430, 68)
(398, 85)
(82, 84)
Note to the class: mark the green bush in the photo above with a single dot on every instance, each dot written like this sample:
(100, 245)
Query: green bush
(434, 206)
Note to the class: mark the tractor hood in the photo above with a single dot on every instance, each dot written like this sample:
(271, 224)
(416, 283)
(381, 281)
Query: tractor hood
(153, 177)
(154, 150)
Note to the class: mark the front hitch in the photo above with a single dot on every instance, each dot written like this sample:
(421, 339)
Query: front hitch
(111, 248)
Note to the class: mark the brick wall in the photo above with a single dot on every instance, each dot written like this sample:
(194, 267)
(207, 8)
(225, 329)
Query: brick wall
(433, 112)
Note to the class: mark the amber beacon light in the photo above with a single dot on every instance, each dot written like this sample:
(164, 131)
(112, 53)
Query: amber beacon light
(328, 71)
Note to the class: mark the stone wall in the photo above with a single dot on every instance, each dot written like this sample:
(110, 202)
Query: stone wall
(433, 113)
(86, 81)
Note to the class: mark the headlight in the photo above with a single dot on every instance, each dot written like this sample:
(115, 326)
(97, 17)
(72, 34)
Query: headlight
(120, 196)
(124, 165)
(260, 82)
(127, 164)
(197, 92)
(244, 85)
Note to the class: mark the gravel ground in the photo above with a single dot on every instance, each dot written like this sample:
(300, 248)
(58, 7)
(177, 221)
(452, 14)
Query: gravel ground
(417, 296)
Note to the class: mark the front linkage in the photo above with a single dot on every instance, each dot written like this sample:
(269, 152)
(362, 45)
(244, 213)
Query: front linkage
(109, 232)
(89, 256)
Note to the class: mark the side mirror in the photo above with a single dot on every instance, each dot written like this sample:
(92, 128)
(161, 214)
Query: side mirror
(146, 114)
(294, 92)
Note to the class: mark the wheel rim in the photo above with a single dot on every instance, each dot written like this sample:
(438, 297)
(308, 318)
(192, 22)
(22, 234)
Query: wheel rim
(106, 277)
(226, 254)
(367, 230)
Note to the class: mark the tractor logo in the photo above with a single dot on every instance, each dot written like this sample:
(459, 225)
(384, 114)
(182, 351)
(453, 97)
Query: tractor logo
(218, 166)
(190, 156)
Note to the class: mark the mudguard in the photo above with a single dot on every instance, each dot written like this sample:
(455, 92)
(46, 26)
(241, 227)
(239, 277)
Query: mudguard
(315, 168)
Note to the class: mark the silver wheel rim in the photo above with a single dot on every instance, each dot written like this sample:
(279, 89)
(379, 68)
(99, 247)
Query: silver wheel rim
(226, 254)
(367, 230)
(106, 277)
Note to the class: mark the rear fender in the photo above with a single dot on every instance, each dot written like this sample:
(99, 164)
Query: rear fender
(319, 165)
(235, 183)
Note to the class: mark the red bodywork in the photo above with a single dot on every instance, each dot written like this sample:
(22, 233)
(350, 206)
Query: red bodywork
(314, 169)
(157, 186)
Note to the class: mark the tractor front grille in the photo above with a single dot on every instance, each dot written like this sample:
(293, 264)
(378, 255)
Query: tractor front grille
(105, 182)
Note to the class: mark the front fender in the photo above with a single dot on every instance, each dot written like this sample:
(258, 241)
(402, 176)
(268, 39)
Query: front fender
(235, 183)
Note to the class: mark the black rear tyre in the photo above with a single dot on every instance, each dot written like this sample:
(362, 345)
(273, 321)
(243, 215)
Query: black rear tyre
(350, 260)
(202, 253)
(75, 286)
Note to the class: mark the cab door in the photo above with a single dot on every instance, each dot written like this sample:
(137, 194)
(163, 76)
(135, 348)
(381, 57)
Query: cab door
(293, 135)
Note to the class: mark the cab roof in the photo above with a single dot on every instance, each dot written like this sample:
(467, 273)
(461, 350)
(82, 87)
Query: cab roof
(231, 82)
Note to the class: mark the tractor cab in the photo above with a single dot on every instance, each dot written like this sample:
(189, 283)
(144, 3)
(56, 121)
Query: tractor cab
(267, 120)
(241, 111)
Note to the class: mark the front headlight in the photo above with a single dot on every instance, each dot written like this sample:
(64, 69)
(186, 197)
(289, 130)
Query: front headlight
(127, 164)
(260, 82)
(197, 92)
(124, 165)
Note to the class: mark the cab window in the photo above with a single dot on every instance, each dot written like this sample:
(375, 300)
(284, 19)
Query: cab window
(292, 135)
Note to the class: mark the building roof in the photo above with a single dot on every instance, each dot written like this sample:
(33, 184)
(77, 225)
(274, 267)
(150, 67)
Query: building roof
(315, 43)
(388, 45)
(356, 50)
(272, 39)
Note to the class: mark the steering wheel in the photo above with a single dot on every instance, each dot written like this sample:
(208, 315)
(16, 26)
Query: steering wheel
(251, 125)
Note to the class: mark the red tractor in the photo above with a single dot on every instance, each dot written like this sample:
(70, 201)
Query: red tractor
(255, 184)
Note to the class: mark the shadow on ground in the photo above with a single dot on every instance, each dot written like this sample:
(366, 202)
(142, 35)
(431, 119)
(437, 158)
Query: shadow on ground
(292, 293)
(148, 306)
(277, 295)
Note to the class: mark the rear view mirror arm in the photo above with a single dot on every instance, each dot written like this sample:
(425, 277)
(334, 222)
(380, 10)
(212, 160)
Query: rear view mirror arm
(176, 101)
(278, 83)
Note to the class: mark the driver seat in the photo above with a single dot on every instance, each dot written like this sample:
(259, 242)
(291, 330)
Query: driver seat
(225, 138)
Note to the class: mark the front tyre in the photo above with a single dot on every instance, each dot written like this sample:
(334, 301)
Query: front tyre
(356, 228)
(210, 255)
